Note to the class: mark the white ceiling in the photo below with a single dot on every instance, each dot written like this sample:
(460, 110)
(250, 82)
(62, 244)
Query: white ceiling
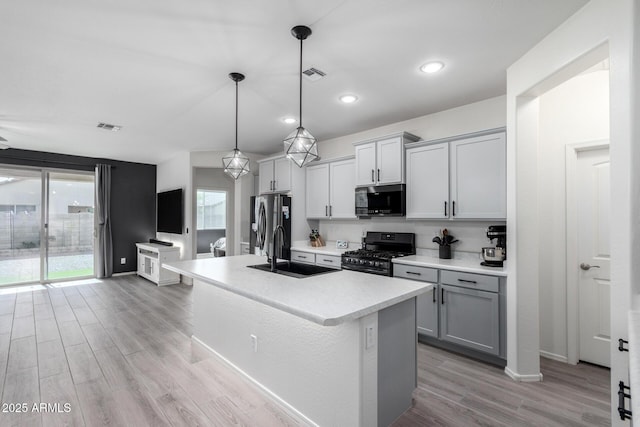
(159, 68)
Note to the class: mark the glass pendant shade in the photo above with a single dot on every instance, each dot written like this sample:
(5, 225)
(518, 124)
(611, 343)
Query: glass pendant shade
(300, 146)
(236, 164)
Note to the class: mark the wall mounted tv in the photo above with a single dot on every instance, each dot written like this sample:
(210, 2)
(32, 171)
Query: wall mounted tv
(170, 212)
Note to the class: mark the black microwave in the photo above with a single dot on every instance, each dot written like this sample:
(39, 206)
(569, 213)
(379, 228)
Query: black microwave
(384, 200)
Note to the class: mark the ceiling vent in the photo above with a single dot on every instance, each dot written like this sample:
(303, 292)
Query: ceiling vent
(107, 126)
(313, 74)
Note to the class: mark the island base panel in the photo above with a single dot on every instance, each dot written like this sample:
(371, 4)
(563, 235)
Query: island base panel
(326, 374)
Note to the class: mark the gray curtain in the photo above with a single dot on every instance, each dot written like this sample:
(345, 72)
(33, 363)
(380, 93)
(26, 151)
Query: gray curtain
(104, 246)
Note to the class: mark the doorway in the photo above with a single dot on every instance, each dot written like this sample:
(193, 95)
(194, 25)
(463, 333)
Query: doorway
(211, 222)
(46, 225)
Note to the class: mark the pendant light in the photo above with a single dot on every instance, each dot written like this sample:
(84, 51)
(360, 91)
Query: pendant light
(300, 146)
(235, 163)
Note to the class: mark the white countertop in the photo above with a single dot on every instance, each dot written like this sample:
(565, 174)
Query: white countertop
(466, 266)
(327, 299)
(634, 358)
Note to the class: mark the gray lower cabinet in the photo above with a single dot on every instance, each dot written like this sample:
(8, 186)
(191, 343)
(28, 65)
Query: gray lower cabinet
(428, 313)
(470, 318)
(463, 312)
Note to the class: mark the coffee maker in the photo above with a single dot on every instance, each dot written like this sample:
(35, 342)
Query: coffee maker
(495, 256)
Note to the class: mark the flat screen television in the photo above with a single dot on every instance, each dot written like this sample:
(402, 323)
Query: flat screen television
(170, 212)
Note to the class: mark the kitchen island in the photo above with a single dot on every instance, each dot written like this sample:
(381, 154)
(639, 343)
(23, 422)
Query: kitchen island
(337, 348)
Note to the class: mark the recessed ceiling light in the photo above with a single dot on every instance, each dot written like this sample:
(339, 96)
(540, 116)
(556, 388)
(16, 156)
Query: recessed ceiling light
(348, 99)
(289, 120)
(432, 67)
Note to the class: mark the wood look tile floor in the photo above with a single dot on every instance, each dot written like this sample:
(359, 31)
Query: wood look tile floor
(118, 353)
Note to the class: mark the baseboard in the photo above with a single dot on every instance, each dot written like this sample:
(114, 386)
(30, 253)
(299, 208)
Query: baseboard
(126, 273)
(286, 406)
(553, 356)
(523, 378)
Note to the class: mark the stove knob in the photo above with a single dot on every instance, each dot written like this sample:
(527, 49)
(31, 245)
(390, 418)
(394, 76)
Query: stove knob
(376, 264)
(371, 263)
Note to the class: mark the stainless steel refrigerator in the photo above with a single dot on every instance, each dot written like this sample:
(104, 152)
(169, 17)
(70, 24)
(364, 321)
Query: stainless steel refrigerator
(269, 211)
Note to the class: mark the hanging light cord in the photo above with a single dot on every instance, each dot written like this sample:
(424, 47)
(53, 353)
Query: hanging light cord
(236, 149)
(300, 123)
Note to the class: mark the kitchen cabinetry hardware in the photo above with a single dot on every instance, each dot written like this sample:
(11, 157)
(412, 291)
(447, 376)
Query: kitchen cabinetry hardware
(441, 295)
(466, 281)
(302, 256)
(621, 344)
(453, 208)
(414, 272)
(587, 267)
(330, 210)
(624, 413)
(378, 174)
(327, 260)
(373, 176)
(445, 208)
(433, 293)
(326, 210)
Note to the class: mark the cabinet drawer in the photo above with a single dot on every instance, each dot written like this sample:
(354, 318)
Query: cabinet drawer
(423, 274)
(329, 260)
(470, 280)
(307, 257)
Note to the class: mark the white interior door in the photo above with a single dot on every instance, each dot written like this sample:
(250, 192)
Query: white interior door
(594, 206)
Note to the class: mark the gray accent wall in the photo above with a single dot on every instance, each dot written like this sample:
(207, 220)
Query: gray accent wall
(133, 197)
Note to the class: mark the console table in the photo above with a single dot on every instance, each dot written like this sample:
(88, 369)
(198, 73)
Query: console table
(151, 256)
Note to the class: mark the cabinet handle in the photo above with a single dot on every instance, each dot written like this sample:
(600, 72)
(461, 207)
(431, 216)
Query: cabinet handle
(274, 185)
(453, 208)
(326, 210)
(467, 281)
(378, 174)
(621, 344)
(414, 272)
(330, 210)
(327, 260)
(441, 295)
(445, 208)
(434, 295)
(372, 176)
(624, 413)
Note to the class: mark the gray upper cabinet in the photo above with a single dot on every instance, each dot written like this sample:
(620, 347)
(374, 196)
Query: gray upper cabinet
(470, 318)
(381, 161)
(330, 190)
(457, 178)
(478, 177)
(274, 175)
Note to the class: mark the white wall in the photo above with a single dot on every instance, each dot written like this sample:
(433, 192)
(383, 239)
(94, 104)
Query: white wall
(599, 22)
(577, 111)
(482, 115)
(487, 114)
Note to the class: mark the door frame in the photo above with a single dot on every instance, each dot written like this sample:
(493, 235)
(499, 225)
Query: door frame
(572, 259)
(195, 215)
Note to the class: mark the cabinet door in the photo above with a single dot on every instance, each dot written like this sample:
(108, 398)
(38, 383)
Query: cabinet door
(342, 180)
(478, 177)
(317, 203)
(265, 179)
(282, 174)
(390, 161)
(470, 318)
(154, 269)
(428, 313)
(428, 181)
(141, 259)
(366, 164)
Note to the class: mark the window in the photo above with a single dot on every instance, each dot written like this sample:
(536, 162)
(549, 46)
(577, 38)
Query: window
(211, 209)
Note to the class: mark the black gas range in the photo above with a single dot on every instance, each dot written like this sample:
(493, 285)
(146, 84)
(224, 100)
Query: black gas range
(380, 248)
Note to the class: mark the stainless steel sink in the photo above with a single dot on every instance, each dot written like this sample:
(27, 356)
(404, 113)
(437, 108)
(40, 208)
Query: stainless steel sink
(295, 269)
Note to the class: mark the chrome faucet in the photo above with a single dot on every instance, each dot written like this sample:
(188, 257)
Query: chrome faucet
(274, 253)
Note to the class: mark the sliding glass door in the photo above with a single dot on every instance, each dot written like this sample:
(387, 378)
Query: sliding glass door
(46, 225)
(69, 225)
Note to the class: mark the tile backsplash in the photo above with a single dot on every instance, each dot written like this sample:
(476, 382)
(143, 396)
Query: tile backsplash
(471, 234)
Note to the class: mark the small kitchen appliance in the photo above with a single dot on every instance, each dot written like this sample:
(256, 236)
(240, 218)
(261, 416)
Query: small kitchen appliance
(379, 249)
(495, 256)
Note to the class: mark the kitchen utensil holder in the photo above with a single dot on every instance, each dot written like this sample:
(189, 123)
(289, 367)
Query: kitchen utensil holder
(444, 252)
